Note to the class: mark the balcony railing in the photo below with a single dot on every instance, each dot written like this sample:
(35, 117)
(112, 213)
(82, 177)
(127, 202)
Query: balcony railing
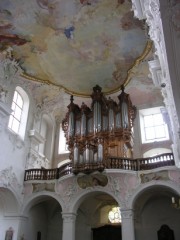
(166, 159)
(47, 174)
(163, 160)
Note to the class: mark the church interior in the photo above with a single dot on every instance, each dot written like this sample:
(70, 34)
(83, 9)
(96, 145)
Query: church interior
(89, 120)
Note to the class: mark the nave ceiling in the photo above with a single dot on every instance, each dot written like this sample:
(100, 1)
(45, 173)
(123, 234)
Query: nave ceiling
(68, 47)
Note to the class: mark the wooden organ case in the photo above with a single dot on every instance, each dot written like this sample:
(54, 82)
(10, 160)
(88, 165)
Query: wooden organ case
(104, 130)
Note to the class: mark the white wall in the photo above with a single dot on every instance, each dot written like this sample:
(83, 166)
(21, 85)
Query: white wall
(155, 213)
(38, 221)
(83, 229)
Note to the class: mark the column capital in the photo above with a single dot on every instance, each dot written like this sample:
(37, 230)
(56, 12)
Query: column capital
(69, 217)
(127, 213)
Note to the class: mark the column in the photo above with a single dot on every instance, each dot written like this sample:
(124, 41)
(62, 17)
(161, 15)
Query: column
(127, 224)
(68, 226)
(23, 227)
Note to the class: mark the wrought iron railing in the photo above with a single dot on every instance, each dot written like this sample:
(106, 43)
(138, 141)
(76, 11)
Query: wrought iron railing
(163, 160)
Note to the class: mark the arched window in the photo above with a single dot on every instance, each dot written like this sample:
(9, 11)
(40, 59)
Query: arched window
(47, 133)
(63, 148)
(18, 117)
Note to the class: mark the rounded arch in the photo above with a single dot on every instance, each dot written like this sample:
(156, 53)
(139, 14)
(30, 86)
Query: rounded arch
(63, 162)
(152, 207)
(47, 127)
(37, 198)
(171, 187)
(23, 94)
(42, 215)
(156, 151)
(87, 193)
(92, 208)
(8, 201)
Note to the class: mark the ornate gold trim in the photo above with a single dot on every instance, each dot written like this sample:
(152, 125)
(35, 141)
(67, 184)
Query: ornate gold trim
(146, 51)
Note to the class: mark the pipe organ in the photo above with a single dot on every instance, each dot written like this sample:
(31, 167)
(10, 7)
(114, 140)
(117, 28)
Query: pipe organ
(104, 130)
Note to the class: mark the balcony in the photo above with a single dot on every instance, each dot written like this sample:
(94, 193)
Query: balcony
(140, 164)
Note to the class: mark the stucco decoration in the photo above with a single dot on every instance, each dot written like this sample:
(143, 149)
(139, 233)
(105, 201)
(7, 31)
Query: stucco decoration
(67, 189)
(151, 12)
(74, 45)
(5, 110)
(122, 186)
(174, 176)
(92, 180)
(3, 94)
(163, 175)
(8, 179)
(36, 160)
(38, 187)
(9, 68)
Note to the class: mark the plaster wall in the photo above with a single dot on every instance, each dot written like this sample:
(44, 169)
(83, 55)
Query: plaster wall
(83, 227)
(37, 221)
(155, 213)
(54, 228)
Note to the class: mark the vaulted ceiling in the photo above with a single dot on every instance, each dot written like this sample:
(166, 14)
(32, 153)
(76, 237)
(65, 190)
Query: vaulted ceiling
(75, 44)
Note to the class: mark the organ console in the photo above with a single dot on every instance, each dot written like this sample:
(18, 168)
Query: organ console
(93, 134)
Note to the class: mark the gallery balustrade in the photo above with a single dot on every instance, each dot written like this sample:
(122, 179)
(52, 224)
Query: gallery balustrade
(140, 164)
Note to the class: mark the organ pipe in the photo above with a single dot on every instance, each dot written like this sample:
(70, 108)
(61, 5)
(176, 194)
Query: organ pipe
(100, 131)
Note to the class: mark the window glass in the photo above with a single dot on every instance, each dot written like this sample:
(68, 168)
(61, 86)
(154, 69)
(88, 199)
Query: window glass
(63, 148)
(153, 126)
(15, 118)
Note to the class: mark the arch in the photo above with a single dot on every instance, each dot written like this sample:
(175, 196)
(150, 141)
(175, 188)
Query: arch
(8, 201)
(156, 151)
(9, 207)
(37, 198)
(92, 209)
(153, 184)
(47, 132)
(63, 162)
(152, 207)
(42, 215)
(84, 194)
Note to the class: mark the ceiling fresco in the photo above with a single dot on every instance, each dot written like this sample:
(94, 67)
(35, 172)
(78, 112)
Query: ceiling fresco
(74, 44)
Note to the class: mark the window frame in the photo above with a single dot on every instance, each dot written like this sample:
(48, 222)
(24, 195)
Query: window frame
(148, 112)
(15, 116)
(24, 113)
(62, 146)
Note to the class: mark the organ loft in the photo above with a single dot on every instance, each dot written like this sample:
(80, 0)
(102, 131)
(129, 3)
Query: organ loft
(95, 134)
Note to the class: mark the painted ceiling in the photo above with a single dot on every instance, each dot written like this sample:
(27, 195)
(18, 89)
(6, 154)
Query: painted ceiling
(75, 44)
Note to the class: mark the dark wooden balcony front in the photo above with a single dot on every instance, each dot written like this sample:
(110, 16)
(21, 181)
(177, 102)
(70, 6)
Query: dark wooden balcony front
(140, 164)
